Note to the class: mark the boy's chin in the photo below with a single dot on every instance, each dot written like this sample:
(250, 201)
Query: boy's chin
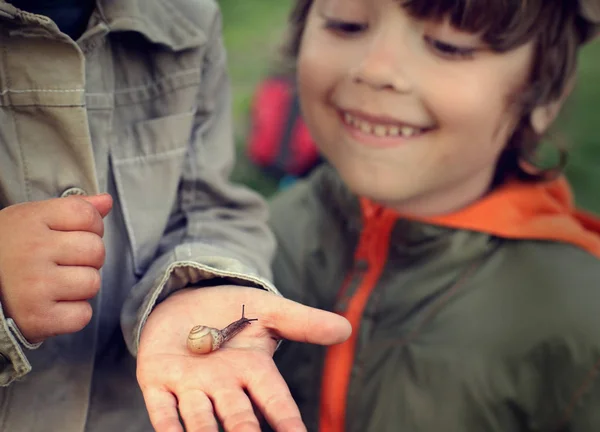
(379, 189)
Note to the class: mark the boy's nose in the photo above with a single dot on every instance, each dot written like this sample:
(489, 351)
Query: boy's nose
(382, 67)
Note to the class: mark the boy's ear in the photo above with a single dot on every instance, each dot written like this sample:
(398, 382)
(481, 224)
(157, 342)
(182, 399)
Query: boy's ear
(544, 115)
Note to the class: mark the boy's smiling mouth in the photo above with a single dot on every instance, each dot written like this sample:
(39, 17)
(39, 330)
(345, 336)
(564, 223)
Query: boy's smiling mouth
(376, 127)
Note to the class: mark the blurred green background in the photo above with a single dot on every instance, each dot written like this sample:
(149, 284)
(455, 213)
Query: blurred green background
(253, 31)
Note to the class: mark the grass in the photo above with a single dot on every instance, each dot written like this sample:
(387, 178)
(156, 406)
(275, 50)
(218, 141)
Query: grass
(580, 124)
(253, 30)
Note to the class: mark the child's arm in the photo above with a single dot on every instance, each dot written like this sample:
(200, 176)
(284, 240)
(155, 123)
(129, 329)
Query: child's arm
(217, 236)
(218, 230)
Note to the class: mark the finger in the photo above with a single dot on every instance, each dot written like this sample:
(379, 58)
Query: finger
(294, 321)
(271, 395)
(102, 202)
(74, 316)
(162, 409)
(78, 249)
(73, 214)
(77, 283)
(235, 411)
(197, 412)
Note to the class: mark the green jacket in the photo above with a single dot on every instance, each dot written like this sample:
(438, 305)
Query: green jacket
(454, 329)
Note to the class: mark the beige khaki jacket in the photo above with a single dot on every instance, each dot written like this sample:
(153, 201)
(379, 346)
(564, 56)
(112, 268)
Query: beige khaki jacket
(138, 107)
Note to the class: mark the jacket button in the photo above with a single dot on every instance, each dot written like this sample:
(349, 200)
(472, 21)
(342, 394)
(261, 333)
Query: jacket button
(73, 191)
(4, 362)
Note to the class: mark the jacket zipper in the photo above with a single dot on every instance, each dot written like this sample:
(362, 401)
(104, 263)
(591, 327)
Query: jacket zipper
(372, 250)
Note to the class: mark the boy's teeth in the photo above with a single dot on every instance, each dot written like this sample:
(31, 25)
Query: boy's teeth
(408, 131)
(365, 127)
(380, 130)
(348, 119)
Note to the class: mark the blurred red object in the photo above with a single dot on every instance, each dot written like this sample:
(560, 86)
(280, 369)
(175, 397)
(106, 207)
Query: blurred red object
(279, 141)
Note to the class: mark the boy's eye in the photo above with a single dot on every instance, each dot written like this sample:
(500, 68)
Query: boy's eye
(450, 50)
(344, 27)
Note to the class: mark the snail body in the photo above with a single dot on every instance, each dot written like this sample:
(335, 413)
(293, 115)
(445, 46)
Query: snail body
(203, 339)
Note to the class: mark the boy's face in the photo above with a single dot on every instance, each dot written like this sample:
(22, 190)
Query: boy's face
(413, 114)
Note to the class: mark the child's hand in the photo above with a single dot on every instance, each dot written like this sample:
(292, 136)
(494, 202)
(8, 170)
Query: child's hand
(50, 254)
(173, 378)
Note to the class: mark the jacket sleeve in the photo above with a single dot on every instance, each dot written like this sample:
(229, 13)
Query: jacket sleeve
(13, 360)
(291, 217)
(218, 232)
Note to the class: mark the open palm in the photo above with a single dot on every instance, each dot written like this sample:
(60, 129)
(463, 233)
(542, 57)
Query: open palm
(226, 383)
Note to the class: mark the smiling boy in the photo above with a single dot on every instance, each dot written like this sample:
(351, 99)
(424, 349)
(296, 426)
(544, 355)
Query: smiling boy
(470, 280)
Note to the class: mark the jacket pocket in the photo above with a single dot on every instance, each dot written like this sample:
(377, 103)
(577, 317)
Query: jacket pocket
(147, 163)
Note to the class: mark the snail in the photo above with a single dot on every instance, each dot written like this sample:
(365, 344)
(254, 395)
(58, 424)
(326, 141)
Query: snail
(203, 339)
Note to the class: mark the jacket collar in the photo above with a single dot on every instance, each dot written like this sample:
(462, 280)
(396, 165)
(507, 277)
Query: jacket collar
(516, 211)
(173, 23)
(409, 240)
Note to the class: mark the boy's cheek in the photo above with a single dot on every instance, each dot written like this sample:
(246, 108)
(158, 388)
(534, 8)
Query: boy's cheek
(319, 64)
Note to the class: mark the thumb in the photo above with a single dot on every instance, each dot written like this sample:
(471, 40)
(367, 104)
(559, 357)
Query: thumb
(296, 322)
(102, 202)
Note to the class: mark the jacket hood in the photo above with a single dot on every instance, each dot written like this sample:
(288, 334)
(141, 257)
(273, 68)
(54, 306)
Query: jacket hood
(525, 211)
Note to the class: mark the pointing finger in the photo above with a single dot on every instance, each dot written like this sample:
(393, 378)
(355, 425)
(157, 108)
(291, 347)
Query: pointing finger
(294, 321)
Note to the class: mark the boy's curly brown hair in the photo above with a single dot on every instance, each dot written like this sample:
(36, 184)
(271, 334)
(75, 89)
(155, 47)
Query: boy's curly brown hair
(558, 30)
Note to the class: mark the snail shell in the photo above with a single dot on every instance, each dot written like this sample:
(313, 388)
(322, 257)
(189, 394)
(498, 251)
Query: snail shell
(203, 340)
